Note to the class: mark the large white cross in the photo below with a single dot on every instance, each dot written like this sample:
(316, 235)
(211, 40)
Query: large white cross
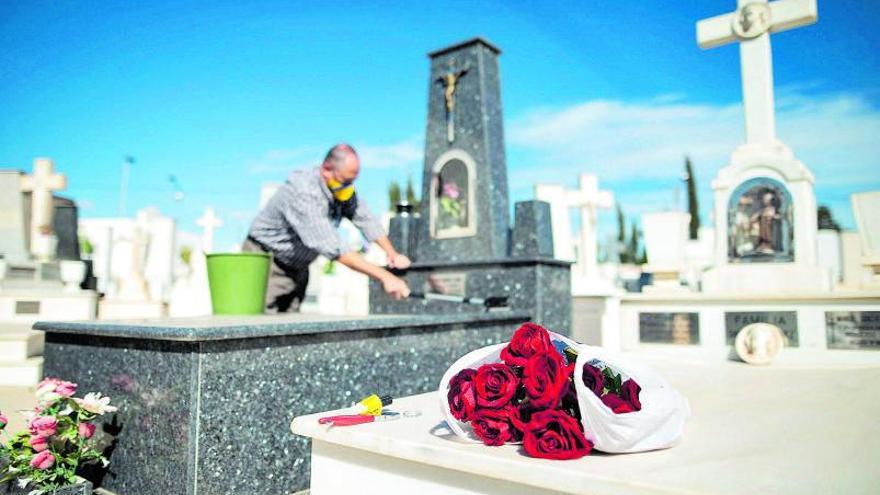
(41, 184)
(208, 221)
(751, 25)
(588, 198)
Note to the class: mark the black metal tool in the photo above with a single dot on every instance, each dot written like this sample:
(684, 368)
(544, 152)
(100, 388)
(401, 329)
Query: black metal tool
(488, 302)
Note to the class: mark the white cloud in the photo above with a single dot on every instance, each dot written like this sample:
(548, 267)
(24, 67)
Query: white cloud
(621, 140)
(629, 144)
(401, 154)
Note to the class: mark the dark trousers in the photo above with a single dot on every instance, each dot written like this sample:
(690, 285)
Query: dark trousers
(287, 287)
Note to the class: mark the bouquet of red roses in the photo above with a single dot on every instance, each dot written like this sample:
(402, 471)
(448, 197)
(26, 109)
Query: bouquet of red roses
(542, 391)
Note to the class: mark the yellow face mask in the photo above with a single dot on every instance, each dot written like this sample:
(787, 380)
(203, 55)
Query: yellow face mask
(341, 191)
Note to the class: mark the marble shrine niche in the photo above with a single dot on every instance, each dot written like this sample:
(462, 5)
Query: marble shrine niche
(760, 222)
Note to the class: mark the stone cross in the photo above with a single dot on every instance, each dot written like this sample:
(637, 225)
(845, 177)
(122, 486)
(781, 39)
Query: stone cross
(40, 184)
(751, 25)
(208, 221)
(588, 199)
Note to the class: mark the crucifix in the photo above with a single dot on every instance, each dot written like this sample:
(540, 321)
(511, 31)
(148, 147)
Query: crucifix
(41, 184)
(449, 80)
(208, 221)
(751, 24)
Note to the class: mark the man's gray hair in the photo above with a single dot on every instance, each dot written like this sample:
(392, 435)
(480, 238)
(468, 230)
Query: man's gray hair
(335, 158)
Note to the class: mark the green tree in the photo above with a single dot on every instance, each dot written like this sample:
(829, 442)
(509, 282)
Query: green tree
(621, 236)
(693, 202)
(633, 244)
(411, 195)
(393, 195)
(825, 219)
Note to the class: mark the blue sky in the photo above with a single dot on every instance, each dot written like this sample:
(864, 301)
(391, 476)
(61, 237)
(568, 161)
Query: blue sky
(226, 96)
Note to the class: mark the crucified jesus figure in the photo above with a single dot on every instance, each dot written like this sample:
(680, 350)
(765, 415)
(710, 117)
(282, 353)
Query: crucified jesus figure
(449, 80)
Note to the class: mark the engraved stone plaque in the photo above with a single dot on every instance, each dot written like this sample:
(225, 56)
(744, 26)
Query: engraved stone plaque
(448, 283)
(785, 320)
(853, 329)
(669, 328)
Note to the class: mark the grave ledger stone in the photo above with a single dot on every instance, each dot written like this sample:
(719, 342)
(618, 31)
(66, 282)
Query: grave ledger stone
(463, 244)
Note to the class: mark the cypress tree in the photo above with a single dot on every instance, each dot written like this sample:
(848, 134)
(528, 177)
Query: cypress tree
(633, 248)
(621, 236)
(393, 195)
(693, 202)
(411, 195)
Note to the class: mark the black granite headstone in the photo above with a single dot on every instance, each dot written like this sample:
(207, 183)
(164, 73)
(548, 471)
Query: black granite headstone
(853, 329)
(669, 328)
(65, 223)
(462, 243)
(464, 183)
(532, 232)
(785, 320)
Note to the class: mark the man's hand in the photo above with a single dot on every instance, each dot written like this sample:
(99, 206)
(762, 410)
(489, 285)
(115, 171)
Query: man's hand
(398, 261)
(395, 287)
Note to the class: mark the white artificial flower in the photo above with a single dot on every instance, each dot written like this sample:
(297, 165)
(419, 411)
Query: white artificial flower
(66, 411)
(22, 482)
(95, 404)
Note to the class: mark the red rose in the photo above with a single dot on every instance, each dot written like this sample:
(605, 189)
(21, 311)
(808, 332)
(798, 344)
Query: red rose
(495, 426)
(629, 392)
(528, 340)
(594, 379)
(553, 434)
(616, 404)
(545, 377)
(494, 385)
(462, 398)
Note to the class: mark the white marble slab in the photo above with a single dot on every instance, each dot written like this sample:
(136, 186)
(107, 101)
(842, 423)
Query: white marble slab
(754, 430)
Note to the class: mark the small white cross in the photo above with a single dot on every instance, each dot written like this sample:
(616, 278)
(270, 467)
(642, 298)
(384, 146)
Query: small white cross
(588, 198)
(208, 221)
(41, 184)
(751, 25)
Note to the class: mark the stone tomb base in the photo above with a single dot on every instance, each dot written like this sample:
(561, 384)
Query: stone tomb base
(753, 430)
(538, 286)
(21, 362)
(839, 327)
(205, 404)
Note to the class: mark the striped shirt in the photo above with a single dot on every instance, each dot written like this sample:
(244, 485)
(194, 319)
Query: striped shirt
(301, 220)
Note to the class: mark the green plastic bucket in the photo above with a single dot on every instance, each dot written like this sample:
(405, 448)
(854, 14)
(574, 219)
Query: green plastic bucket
(238, 282)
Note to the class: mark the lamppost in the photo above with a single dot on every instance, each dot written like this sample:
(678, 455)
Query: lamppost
(123, 187)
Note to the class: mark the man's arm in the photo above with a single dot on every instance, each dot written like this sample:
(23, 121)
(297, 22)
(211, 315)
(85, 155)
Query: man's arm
(394, 286)
(373, 232)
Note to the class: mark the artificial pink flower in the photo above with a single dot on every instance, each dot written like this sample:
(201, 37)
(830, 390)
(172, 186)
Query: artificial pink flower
(46, 390)
(450, 190)
(48, 382)
(66, 389)
(43, 426)
(43, 460)
(38, 443)
(3, 421)
(86, 430)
